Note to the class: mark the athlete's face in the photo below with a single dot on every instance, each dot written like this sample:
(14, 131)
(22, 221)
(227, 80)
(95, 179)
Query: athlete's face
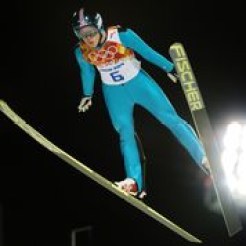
(90, 36)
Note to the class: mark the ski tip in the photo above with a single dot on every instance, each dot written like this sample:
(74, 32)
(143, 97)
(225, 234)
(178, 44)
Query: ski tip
(175, 44)
(2, 102)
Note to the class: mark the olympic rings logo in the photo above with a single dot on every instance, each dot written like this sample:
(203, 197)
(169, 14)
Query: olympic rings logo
(106, 55)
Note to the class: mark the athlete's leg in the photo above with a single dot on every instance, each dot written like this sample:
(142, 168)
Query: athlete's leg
(149, 95)
(120, 106)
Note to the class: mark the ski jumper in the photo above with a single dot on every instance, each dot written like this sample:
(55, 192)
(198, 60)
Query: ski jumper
(125, 84)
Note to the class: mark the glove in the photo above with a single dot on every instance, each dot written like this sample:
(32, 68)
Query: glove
(85, 104)
(173, 76)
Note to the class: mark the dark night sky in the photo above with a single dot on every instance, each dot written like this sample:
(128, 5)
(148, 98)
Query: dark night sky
(42, 197)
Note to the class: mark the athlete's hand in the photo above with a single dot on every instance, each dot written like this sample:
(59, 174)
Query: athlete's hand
(173, 76)
(85, 104)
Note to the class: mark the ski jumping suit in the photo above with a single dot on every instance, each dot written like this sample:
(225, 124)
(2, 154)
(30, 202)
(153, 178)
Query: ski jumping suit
(124, 84)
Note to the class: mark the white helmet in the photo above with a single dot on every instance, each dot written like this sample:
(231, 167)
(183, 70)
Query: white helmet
(81, 19)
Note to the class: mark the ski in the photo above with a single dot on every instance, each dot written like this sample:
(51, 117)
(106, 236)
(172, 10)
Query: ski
(32, 132)
(202, 123)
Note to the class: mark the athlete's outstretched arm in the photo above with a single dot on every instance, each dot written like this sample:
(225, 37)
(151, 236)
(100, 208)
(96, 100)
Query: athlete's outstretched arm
(87, 73)
(130, 39)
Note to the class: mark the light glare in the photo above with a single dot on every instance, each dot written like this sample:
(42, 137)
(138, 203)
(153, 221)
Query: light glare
(233, 158)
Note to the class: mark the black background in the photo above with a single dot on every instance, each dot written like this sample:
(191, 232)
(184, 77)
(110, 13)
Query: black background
(43, 198)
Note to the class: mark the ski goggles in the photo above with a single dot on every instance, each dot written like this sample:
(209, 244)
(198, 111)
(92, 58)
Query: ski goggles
(88, 33)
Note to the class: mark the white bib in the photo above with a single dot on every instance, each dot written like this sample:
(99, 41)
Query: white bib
(120, 72)
(123, 70)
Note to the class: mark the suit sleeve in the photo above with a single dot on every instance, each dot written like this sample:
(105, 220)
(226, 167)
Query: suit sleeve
(131, 40)
(87, 73)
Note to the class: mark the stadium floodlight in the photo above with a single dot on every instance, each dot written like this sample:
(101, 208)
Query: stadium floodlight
(233, 158)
